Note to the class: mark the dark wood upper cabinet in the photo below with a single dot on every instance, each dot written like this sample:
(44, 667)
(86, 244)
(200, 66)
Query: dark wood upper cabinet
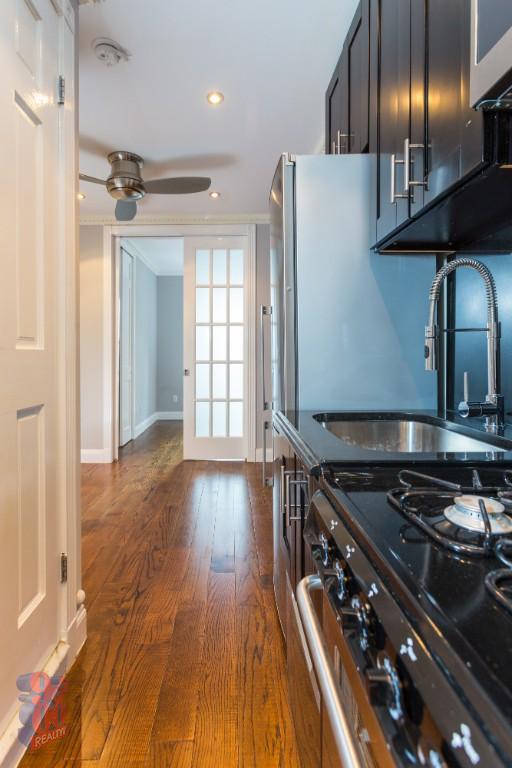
(401, 91)
(347, 97)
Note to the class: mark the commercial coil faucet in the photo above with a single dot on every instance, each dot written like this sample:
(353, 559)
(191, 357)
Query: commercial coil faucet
(493, 406)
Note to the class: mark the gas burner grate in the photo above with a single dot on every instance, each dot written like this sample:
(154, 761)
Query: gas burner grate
(499, 584)
(425, 506)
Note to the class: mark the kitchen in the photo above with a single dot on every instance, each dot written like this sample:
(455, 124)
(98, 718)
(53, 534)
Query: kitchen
(387, 414)
(298, 552)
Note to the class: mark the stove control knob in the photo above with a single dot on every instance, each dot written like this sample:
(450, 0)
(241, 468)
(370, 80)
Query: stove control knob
(339, 579)
(326, 549)
(358, 617)
(384, 687)
(428, 755)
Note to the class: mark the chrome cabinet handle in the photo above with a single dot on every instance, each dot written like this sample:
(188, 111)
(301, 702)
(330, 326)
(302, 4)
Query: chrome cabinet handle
(394, 194)
(339, 142)
(287, 505)
(334, 147)
(267, 481)
(343, 736)
(409, 182)
(264, 312)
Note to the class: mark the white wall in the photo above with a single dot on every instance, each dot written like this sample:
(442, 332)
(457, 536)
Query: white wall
(170, 344)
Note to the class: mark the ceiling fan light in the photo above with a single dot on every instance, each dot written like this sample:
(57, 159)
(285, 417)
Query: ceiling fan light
(214, 195)
(215, 98)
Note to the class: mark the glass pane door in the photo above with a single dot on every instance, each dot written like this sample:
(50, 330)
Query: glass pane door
(219, 342)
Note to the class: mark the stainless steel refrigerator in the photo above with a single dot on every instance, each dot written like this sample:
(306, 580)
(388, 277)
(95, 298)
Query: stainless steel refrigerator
(347, 324)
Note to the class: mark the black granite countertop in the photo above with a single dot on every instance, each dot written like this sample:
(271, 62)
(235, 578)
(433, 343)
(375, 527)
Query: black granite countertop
(316, 445)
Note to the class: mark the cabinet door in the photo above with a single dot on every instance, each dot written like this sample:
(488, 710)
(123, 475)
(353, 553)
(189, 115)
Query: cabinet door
(393, 112)
(450, 120)
(355, 77)
(418, 142)
(333, 111)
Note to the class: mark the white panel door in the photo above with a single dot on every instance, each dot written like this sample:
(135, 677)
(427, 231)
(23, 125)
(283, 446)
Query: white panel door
(126, 350)
(215, 344)
(31, 398)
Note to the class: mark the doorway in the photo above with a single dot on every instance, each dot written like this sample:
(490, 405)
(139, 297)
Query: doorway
(150, 339)
(215, 444)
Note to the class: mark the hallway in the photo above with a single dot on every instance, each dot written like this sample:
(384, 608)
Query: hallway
(184, 663)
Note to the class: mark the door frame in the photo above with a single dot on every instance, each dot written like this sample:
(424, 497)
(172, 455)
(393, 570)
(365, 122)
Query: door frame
(126, 247)
(112, 236)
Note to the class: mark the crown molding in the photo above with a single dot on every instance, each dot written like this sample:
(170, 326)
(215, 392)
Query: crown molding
(233, 218)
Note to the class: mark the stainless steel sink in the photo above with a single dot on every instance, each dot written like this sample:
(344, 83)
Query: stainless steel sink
(403, 436)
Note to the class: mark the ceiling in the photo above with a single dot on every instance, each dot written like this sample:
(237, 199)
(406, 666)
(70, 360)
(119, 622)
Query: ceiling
(163, 255)
(272, 59)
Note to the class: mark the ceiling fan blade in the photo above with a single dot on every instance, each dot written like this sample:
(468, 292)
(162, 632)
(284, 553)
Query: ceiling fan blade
(180, 185)
(92, 179)
(126, 210)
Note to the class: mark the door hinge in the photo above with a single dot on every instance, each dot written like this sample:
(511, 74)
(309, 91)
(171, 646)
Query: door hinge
(61, 90)
(63, 568)
(266, 310)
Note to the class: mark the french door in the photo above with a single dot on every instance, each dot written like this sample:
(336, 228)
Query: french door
(215, 348)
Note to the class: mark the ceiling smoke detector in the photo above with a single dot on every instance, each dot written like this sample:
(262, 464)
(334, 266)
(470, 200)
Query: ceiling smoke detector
(109, 52)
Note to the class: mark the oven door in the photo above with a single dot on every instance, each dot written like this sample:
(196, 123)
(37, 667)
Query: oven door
(303, 686)
(350, 733)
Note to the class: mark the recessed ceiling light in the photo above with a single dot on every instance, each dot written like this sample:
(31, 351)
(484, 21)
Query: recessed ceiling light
(81, 196)
(215, 97)
(214, 195)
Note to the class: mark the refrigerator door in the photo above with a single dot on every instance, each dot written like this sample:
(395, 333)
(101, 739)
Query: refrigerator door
(360, 315)
(282, 286)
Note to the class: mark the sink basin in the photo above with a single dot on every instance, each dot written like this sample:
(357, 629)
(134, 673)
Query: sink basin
(402, 435)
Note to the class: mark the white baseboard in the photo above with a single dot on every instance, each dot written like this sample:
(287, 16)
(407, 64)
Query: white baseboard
(259, 455)
(143, 425)
(11, 749)
(95, 456)
(169, 416)
(157, 416)
(77, 634)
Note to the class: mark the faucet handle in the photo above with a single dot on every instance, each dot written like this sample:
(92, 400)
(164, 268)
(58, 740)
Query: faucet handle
(466, 386)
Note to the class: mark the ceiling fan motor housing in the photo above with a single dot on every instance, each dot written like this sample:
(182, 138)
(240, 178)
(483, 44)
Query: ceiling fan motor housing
(125, 180)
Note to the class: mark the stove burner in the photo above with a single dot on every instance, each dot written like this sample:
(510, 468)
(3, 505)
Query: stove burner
(466, 512)
(452, 514)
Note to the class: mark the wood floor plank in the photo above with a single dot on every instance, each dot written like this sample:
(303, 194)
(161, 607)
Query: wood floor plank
(215, 739)
(184, 665)
(182, 677)
(170, 755)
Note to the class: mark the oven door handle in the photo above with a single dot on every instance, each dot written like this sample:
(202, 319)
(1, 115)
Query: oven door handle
(341, 730)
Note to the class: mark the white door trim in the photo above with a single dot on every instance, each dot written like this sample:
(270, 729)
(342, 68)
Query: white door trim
(111, 256)
(130, 345)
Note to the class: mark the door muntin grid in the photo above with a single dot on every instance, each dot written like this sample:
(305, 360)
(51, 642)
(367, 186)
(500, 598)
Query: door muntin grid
(219, 352)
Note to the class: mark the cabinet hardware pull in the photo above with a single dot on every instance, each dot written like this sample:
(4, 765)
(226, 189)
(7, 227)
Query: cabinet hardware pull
(409, 182)
(267, 481)
(264, 312)
(394, 194)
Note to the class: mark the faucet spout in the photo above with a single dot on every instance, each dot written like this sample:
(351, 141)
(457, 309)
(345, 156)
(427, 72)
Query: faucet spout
(494, 401)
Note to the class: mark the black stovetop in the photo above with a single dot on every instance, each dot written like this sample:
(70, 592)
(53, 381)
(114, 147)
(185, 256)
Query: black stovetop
(446, 590)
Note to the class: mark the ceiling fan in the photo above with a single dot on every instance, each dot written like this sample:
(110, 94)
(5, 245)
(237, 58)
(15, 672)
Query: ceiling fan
(126, 185)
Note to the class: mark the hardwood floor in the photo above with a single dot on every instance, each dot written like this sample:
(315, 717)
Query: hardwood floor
(184, 665)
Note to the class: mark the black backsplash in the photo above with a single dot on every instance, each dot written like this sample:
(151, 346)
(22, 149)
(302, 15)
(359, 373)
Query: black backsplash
(471, 311)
